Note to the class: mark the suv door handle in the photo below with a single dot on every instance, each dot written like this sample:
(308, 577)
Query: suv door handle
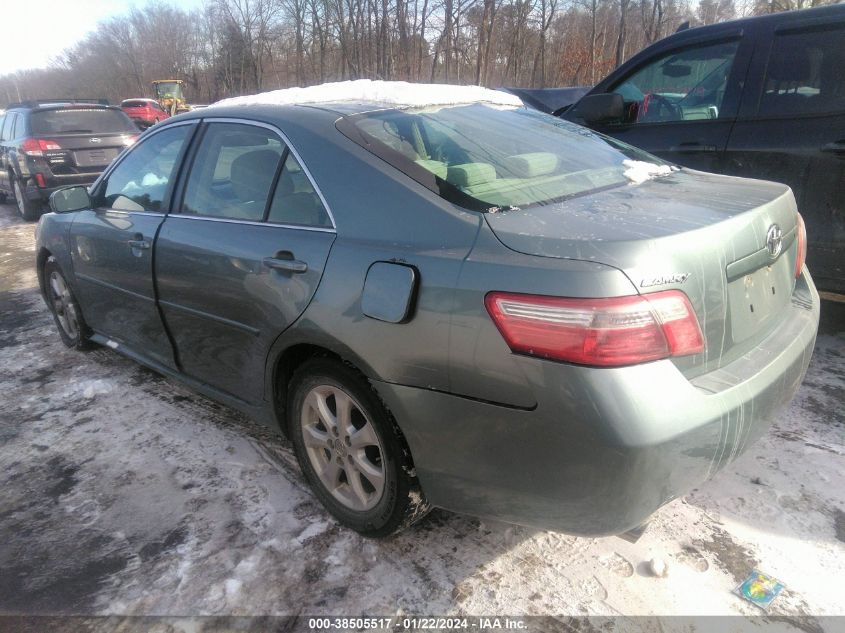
(837, 147)
(286, 265)
(689, 148)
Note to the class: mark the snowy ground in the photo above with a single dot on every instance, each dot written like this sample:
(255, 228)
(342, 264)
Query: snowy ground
(122, 492)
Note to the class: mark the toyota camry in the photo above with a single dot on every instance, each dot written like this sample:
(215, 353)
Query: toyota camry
(445, 299)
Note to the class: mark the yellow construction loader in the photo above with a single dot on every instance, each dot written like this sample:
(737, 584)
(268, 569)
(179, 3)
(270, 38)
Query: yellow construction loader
(168, 93)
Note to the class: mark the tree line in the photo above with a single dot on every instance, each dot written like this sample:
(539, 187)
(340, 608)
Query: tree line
(233, 47)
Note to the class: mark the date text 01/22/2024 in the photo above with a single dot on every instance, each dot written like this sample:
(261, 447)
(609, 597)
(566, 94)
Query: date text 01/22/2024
(416, 623)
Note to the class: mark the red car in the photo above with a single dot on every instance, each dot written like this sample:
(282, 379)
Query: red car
(145, 112)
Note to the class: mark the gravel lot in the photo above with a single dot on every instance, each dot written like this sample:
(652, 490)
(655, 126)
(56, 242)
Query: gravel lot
(122, 492)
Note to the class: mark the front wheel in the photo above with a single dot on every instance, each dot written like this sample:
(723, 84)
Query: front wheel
(351, 451)
(66, 313)
(27, 209)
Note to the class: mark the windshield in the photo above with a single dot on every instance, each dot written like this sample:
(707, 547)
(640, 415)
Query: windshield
(169, 91)
(81, 121)
(485, 158)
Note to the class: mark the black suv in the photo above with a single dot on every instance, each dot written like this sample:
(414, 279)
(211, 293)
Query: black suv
(46, 145)
(760, 97)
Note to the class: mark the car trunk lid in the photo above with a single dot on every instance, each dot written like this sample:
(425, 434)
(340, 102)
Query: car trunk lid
(700, 233)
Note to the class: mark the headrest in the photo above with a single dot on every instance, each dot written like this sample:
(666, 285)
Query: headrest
(252, 174)
(434, 166)
(470, 174)
(531, 165)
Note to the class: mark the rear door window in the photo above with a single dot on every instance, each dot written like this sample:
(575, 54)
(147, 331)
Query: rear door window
(686, 85)
(7, 125)
(295, 200)
(81, 121)
(141, 181)
(805, 73)
(18, 129)
(233, 172)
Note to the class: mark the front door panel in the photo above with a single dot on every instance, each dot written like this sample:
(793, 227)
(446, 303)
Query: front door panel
(112, 245)
(112, 261)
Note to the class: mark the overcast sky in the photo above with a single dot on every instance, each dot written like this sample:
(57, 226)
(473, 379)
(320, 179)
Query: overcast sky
(35, 31)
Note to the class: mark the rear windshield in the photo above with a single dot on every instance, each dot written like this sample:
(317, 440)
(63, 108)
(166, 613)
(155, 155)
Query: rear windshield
(488, 158)
(135, 104)
(80, 121)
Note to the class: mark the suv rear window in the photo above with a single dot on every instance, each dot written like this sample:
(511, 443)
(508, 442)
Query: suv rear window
(486, 157)
(80, 121)
(135, 104)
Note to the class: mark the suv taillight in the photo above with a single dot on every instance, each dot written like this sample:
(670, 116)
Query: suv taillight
(37, 146)
(601, 332)
(801, 256)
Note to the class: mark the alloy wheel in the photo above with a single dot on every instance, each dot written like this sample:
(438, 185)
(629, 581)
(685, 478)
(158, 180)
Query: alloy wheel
(343, 447)
(63, 305)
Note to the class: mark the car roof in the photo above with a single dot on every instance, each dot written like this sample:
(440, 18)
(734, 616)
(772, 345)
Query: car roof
(836, 12)
(364, 95)
(58, 104)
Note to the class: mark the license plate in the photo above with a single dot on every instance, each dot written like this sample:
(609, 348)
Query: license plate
(94, 157)
(757, 297)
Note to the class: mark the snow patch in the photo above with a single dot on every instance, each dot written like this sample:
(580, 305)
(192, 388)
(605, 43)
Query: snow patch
(638, 171)
(398, 93)
(90, 388)
(315, 529)
(233, 586)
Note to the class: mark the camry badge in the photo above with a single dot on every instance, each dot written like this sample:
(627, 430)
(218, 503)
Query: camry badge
(774, 240)
(662, 280)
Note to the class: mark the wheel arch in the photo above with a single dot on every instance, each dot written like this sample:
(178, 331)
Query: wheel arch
(40, 260)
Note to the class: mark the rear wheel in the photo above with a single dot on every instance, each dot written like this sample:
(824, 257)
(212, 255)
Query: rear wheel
(350, 449)
(66, 313)
(27, 209)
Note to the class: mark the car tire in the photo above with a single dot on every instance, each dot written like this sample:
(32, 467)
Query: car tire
(375, 491)
(28, 210)
(67, 315)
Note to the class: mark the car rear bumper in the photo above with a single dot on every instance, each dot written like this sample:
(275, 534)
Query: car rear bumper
(34, 192)
(603, 448)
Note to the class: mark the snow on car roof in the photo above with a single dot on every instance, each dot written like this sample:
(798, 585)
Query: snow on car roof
(139, 99)
(396, 93)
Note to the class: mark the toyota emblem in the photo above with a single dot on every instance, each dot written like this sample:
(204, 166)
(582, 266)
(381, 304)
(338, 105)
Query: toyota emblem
(96, 139)
(774, 240)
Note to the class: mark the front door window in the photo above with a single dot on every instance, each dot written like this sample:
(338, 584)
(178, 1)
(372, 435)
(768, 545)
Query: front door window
(687, 85)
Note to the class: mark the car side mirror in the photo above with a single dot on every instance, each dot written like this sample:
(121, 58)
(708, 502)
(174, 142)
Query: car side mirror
(72, 198)
(600, 108)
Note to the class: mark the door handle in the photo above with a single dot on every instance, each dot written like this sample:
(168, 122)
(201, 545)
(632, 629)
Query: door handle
(139, 242)
(837, 147)
(690, 148)
(286, 265)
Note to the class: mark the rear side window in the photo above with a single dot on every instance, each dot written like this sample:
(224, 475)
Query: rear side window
(134, 104)
(7, 126)
(295, 200)
(80, 121)
(233, 172)
(805, 73)
(18, 129)
(140, 182)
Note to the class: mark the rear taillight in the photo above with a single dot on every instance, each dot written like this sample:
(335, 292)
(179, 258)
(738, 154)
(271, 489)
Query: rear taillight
(602, 332)
(39, 180)
(129, 139)
(801, 256)
(37, 146)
